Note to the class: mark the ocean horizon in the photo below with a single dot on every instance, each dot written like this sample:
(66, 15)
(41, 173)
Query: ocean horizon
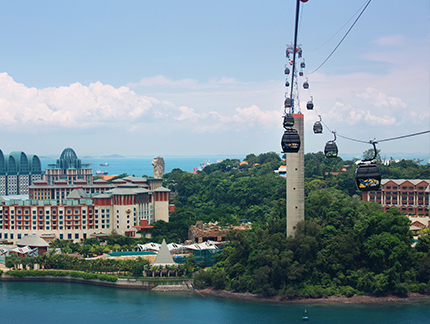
(141, 166)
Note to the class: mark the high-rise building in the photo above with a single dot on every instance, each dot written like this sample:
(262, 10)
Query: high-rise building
(69, 168)
(17, 172)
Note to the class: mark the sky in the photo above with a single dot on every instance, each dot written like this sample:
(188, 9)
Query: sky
(197, 77)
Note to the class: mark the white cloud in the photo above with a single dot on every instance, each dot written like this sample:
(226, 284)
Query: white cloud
(391, 40)
(97, 105)
(72, 106)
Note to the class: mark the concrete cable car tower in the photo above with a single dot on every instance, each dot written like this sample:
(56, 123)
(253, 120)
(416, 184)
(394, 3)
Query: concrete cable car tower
(295, 161)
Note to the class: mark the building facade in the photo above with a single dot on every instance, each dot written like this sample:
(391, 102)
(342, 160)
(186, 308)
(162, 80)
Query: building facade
(409, 196)
(68, 168)
(17, 172)
(79, 210)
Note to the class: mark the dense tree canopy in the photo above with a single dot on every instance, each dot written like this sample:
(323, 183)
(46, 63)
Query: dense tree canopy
(344, 246)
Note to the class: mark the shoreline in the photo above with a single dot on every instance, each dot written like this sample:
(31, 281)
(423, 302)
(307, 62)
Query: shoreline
(211, 292)
(122, 283)
(357, 299)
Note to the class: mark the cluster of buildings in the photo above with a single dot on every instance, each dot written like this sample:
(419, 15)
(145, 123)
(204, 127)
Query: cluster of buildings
(65, 203)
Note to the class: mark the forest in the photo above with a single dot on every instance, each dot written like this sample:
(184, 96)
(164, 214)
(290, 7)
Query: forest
(344, 246)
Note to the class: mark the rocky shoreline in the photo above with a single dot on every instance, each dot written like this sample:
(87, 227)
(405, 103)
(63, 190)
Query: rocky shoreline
(357, 299)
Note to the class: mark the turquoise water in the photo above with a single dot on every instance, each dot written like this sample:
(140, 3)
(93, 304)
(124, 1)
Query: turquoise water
(37, 302)
(142, 165)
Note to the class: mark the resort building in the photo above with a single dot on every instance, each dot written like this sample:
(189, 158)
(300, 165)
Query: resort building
(69, 169)
(409, 196)
(79, 210)
(17, 172)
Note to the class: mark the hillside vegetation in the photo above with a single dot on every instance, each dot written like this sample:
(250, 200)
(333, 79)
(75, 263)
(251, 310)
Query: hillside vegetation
(344, 246)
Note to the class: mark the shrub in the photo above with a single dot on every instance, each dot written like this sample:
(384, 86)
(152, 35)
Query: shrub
(348, 291)
(401, 289)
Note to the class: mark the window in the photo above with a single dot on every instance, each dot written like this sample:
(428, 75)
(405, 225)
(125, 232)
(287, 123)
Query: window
(76, 236)
(69, 236)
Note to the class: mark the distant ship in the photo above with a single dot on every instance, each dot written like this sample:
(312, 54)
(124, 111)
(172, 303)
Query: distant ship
(104, 164)
(99, 173)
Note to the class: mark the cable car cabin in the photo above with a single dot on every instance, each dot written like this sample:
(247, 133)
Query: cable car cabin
(287, 84)
(288, 121)
(290, 142)
(302, 65)
(330, 149)
(287, 70)
(368, 177)
(288, 103)
(310, 105)
(306, 85)
(318, 128)
(301, 73)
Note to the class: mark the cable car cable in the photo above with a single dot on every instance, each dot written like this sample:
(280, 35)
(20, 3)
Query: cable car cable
(404, 136)
(343, 38)
(313, 50)
(295, 46)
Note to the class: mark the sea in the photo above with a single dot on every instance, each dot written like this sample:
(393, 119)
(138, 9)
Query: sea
(58, 302)
(141, 166)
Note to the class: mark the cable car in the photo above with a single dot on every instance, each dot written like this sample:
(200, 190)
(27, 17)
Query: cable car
(318, 128)
(301, 73)
(287, 84)
(302, 65)
(368, 177)
(287, 70)
(330, 149)
(290, 142)
(288, 103)
(306, 85)
(310, 105)
(288, 121)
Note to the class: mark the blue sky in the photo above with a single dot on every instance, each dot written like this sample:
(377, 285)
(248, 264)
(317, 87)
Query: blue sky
(206, 77)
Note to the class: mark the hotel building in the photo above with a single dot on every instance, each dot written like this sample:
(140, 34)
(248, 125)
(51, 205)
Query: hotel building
(409, 196)
(69, 168)
(79, 210)
(17, 172)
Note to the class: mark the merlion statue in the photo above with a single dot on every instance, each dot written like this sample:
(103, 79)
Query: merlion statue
(158, 165)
